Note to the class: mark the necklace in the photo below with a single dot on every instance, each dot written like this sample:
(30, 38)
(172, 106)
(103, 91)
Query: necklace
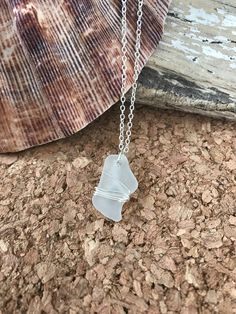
(117, 181)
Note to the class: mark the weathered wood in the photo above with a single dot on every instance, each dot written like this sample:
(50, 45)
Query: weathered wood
(195, 69)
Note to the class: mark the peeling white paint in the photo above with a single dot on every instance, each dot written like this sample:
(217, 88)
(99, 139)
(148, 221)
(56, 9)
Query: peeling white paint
(202, 17)
(233, 65)
(204, 40)
(221, 11)
(178, 10)
(230, 49)
(177, 44)
(198, 38)
(201, 47)
(215, 53)
(221, 38)
(229, 21)
(194, 30)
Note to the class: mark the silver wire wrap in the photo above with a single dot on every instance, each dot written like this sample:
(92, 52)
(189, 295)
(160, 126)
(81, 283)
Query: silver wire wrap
(125, 135)
(115, 196)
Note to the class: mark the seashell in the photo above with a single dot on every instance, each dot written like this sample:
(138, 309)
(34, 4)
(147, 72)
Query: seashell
(60, 64)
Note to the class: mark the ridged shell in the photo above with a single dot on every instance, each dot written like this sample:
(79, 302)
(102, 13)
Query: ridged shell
(60, 64)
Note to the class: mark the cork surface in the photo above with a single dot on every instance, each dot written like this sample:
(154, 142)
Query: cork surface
(174, 251)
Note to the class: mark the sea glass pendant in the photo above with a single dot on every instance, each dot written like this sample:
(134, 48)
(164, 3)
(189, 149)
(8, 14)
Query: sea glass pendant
(116, 184)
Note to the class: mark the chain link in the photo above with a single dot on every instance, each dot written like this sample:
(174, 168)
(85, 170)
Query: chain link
(124, 74)
(125, 135)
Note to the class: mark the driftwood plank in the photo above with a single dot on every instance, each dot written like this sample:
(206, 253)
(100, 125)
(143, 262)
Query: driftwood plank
(195, 69)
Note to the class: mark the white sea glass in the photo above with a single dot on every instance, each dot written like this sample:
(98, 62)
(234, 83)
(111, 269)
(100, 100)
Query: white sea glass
(116, 184)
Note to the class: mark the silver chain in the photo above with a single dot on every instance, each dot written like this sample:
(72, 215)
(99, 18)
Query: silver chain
(125, 135)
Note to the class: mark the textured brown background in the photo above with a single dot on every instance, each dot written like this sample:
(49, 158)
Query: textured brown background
(174, 252)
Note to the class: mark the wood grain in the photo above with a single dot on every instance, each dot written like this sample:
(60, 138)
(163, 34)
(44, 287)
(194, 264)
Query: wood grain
(194, 68)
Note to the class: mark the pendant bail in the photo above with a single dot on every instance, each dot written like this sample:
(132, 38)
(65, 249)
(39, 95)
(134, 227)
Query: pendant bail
(120, 156)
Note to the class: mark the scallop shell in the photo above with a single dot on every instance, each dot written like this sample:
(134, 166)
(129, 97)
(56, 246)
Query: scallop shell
(60, 65)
